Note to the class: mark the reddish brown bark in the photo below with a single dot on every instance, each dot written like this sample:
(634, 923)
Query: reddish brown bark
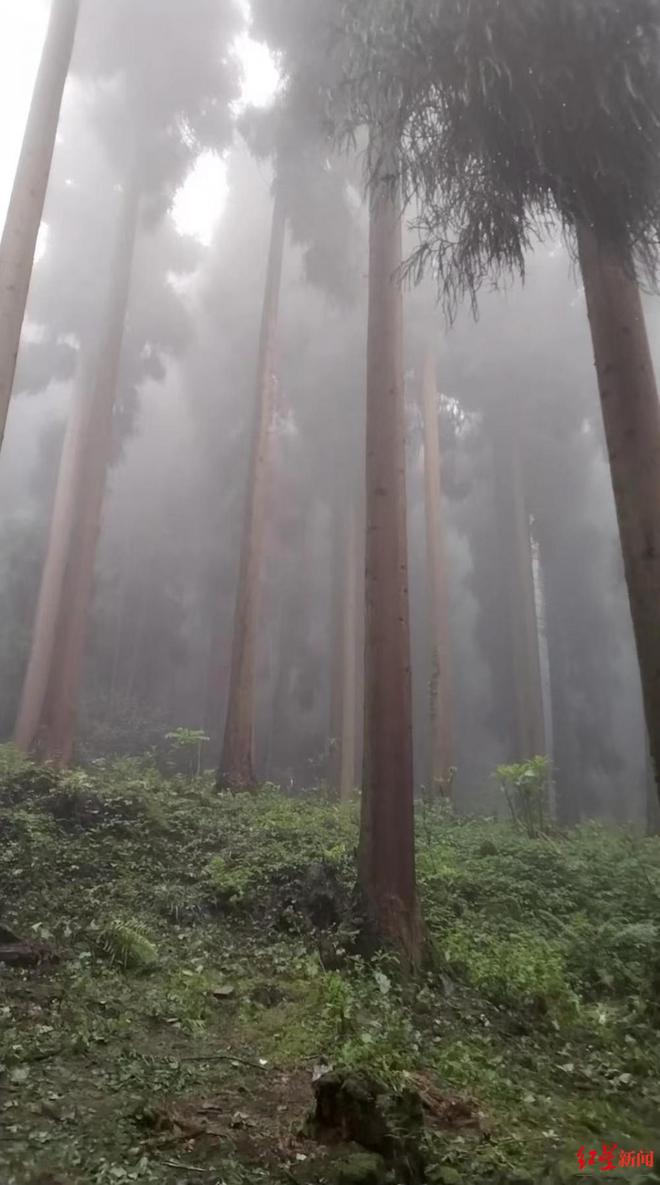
(52, 687)
(387, 841)
(237, 760)
(631, 415)
(26, 205)
(441, 703)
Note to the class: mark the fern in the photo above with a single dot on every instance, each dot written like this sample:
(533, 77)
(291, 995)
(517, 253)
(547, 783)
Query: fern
(127, 946)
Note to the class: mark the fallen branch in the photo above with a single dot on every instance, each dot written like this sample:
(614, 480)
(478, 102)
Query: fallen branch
(189, 1168)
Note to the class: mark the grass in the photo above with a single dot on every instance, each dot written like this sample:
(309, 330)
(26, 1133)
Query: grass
(207, 971)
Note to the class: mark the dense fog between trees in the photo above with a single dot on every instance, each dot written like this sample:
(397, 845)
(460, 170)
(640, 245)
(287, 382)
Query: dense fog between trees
(516, 413)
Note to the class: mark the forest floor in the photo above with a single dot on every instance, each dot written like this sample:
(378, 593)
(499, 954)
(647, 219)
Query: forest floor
(204, 981)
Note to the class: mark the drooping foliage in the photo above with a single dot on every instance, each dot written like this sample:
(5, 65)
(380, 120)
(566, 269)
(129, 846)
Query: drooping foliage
(511, 115)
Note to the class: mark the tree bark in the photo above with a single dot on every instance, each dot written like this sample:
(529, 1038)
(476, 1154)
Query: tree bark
(237, 760)
(651, 804)
(386, 866)
(441, 705)
(52, 685)
(26, 205)
(631, 415)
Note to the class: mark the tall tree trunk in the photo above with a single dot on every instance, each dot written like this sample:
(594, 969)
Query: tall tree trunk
(564, 749)
(237, 760)
(347, 737)
(386, 867)
(52, 685)
(631, 415)
(529, 722)
(26, 205)
(29, 719)
(64, 690)
(441, 705)
(651, 805)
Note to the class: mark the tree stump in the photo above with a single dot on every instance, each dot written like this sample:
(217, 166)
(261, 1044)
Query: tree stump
(354, 1107)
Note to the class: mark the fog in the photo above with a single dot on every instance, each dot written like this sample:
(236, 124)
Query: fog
(519, 376)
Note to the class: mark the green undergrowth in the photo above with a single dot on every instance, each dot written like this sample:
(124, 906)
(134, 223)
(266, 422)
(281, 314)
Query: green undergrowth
(207, 972)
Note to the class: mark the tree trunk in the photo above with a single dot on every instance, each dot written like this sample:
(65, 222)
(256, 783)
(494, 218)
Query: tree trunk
(52, 684)
(386, 871)
(26, 205)
(631, 415)
(529, 695)
(441, 706)
(347, 778)
(651, 804)
(529, 722)
(237, 760)
(564, 748)
(29, 719)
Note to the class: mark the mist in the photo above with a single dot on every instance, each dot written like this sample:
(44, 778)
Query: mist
(329, 591)
(158, 642)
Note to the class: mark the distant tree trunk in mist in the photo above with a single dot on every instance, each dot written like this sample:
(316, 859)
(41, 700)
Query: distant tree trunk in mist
(441, 700)
(567, 774)
(28, 722)
(529, 722)
(386, 866)
(237, 760)
(52, 686)
(345, 689)
(26, 205)
(631, 415)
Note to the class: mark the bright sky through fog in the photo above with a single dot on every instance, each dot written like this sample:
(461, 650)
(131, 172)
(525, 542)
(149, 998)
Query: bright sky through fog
(200, 202)
(22, 28)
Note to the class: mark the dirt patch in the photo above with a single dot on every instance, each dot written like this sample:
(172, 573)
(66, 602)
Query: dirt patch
(260, 1123)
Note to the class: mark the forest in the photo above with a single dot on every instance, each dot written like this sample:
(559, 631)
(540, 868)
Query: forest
(329, 592)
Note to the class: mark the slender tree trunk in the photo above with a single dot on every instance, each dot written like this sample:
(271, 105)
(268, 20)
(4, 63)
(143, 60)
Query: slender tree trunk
(565, 761)
(529, 695)
(529, 722)
(237, 760)
(66, 678)
(277, 634)
(26, 206)
(441, 705)
(29, 719)
(652, 806)
(52, 684)
(631, 415)
(386, 870)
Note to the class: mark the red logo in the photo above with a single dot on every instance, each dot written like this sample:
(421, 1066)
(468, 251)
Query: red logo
(608, 1159)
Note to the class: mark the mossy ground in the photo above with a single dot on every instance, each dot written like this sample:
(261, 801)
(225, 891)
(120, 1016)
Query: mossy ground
(177, 1040)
